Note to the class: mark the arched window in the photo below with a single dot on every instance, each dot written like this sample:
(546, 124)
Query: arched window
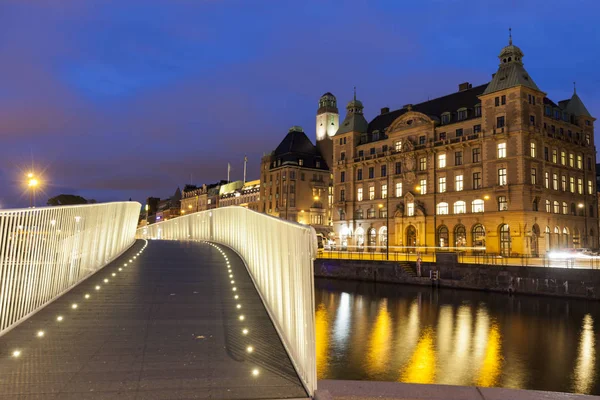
(372, 237)
(443, 236)
(548, 206)
(460, 207)
(565, 208)
(360, 237)
(442, 208)
(556, 207)
(460, 236)
(505, 241)
(566, 241)
(477, 206)
(383, 236)
(411, 237)
(478, 233)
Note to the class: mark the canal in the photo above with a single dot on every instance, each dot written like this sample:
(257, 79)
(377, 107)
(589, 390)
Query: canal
(390, 332)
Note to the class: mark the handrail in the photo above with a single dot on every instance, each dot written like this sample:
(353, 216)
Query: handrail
(46, 251)
(279, 256)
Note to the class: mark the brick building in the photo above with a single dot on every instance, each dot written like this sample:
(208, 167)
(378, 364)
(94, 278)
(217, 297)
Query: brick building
(498, 165)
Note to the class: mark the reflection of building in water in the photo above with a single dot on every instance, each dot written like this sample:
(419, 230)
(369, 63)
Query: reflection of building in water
(343, 320)
(492, 363)
(322, 340)
(380, 343)
(584, 373)
(422, 365)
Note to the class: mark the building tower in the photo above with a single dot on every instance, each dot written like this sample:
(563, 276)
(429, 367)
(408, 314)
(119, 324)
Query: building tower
(328, 122)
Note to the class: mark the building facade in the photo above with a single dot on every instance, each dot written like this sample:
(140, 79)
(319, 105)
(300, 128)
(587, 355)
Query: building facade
(239, 193)
(499, 167)
(295, 181)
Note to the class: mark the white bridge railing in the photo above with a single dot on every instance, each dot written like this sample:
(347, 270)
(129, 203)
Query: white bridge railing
(279, 256)
(46, 251)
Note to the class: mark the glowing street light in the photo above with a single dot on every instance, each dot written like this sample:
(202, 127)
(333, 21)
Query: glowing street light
(32, 183)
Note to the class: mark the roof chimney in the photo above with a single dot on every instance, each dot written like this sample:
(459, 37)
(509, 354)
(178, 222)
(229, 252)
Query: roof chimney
(385, 110)
(464, 86)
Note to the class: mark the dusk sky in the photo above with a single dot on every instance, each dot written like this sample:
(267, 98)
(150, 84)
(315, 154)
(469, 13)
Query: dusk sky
(119, 99)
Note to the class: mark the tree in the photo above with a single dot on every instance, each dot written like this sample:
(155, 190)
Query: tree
(66, 200)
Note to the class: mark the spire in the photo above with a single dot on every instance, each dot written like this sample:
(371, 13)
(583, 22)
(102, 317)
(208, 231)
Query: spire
(354, 93)
(510, 36)
(574, 88)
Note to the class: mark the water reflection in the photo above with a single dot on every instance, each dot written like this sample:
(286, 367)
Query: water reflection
(379, 342)
(413, 334)
(421, 367)
(584, 369)
(322, 338)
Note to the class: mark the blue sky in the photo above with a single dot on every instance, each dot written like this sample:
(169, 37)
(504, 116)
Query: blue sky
(114, 99)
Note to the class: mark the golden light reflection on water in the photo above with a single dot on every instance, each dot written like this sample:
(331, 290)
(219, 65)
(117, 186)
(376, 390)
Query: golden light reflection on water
(421, 367)
(584, 373)
(380, 341)
(492, 363)
(322, 339)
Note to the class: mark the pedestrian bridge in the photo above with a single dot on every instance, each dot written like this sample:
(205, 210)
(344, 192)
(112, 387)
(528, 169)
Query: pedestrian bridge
(216, 304)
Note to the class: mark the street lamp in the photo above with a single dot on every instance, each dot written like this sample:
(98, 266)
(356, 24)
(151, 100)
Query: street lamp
(32, 183)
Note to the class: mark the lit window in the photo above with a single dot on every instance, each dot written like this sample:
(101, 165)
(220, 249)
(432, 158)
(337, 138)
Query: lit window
(398, 145)
(501, 150)
(590, 187)
(399, 189)
(441, 161)
(571, 160)
(458, 183)
(442, 208)
(422, 163)
(554, 181)
(410, 209)
(442, 184)
(565, 208)
(563, 183)
(556, 207)
(532, 149)
(501, 176)
(554, 156)
(579, 162)
(371, 192)
(572, 184)
(533, 176)
(423, 186)
(477, 206)
(359, 194)
(460, 207)
(548, 206)
(383, 191)
(579, 185)
(563, 158)
(546, 180)
(502, 203)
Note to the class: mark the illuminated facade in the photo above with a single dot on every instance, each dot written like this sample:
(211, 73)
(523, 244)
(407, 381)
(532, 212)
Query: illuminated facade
(499, 166)
(295, 181)
(240, 194)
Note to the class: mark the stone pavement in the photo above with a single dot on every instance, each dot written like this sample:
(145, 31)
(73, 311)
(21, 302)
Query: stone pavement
(361, 390)
(166, 326)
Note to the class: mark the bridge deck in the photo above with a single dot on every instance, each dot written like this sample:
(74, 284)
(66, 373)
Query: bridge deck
(165, 327)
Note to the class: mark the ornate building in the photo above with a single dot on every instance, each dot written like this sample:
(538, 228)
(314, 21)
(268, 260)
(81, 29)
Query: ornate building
(499, 166)
(241, 194)
(295, 181)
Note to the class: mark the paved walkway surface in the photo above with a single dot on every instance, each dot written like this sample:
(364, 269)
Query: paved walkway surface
(164, 327)
(360, 390)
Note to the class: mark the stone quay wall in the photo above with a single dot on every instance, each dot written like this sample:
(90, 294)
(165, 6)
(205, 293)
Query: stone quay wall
(564, 282)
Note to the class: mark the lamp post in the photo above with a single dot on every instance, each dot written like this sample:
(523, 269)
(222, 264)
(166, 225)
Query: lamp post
(32, 183)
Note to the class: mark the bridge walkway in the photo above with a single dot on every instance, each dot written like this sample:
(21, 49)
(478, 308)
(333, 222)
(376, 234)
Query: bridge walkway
(164, 326)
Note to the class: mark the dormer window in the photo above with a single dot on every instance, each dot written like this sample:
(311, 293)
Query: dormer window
(445, 118)
(318, 164)
(478, 110)
(462, 114)
(300, 162)
(376, 135)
